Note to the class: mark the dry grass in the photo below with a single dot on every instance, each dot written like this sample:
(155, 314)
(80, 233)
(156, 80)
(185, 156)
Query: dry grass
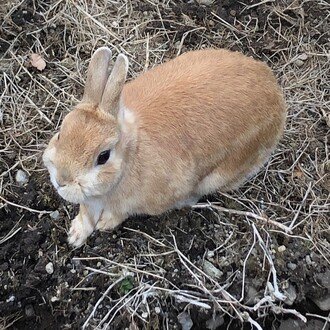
(288, 199)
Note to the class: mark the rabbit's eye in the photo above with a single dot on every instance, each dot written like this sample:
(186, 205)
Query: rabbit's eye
(58, 136)
(103, 157)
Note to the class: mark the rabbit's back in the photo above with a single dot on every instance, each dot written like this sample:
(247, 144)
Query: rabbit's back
(208, 104)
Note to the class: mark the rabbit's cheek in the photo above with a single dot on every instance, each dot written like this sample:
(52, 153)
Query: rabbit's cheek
(89, 179)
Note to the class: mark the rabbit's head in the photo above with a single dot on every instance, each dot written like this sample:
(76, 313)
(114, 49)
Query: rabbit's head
(85, 158)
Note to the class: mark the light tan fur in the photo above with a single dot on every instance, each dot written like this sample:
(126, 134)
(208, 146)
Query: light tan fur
(204, 121)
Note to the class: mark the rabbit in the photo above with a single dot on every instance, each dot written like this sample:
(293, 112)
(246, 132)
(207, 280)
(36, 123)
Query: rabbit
(205, 121)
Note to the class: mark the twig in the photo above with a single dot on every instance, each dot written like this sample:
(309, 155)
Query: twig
(24, 207)
(105, 293)
(245, 213)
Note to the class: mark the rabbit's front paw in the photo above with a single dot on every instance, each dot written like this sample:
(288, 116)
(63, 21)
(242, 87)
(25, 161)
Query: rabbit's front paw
(79, 231)
(108, 222)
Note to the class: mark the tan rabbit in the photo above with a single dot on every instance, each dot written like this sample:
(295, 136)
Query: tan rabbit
(202, 122)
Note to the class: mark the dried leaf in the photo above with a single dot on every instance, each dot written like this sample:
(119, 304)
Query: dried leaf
(37, 61)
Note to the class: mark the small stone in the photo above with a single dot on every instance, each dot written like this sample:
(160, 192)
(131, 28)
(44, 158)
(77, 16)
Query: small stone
(55, 215)
(299, 62)
(211, 270)
(73, 271)
(185, 321)
(21, 177)
(85, 272)
(144, 315)
(50, 268)
(53, 299)
(157, 310)
(232, 13)
(291, 265)
(205, 2)
(309, 260)
(281, 248)
(29, 311)
(115, 24)
(210, 254)
(99, 264)
(303, 57)
(211, 23)
(291, 295)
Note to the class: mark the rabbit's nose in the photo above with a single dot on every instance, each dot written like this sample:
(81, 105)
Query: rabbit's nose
(63, 178)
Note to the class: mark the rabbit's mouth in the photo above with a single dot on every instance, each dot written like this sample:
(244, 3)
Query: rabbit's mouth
(72, 193)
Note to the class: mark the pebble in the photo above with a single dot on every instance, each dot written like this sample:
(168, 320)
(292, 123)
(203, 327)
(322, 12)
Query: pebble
(55, 215)
(185, 321)
(291, 265)
(211, 270)
(205, 2)
(299, 62)
(29, 311)
(85, 272)
(157, 310)
(281, 248)
(303, 57)
(53, 299)
(50, 268)
(232, 12)
(21, 177)
(309, 260)
(99, 264)
(210, 254)
(144, 315)
(291, 295)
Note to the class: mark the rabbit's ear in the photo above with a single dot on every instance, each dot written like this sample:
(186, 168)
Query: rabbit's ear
(111, 96)
(97, 76)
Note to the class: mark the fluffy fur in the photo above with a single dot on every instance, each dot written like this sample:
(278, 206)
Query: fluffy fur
(204, 121)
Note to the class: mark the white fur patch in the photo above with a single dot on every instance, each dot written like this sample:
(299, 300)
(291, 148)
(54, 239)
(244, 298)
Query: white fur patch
(211, 183)
(48, 158)
(125, 117)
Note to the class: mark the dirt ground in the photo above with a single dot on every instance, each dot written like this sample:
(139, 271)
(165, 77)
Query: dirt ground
(257, 258)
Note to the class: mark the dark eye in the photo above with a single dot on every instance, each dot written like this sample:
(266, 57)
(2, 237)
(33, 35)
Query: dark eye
(58, 136)
(103, 157)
